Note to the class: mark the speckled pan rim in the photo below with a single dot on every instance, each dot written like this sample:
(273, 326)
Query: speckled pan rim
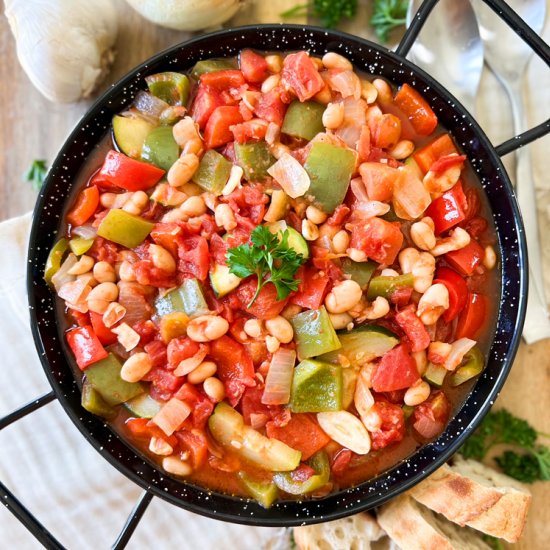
(373, 59)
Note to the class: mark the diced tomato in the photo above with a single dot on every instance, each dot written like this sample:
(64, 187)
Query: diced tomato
(204, 104)
(340, 461)
(85, 206)
(266, 305)
(270, 107)
(440, 147)
(442, 164)
(148, 274)
(235, 366)
(193, 442)
(156, 350)
(363, 145)
(222, 80)
(466, 259)
(253, 66)
(429, 418)
(251, 404)
(458, 291)
(165, 235)
(473, 203)
(378, 239)
(302, 473)
(312, 289)
(401, 296)
(251, 130)
(129, 174)
(257, 349)
(417, 110)
(378, 179)
(103, 250)
(105, 335)
(476, 226)
(321, 261)
(302, 433)
(395, 371)
(143, 428)
(392, 428)
(180, 348)
(385, 131)
(194, 258)
(86, 347)
(217, 131)
(448, 210)
(164, 383)
(300, 76)
(146, 329)
(472, 316)
(414, 329)
(339, 216)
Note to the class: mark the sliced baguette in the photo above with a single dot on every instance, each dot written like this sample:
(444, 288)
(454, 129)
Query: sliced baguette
(351, 533)
(413, 527)
(469, 493)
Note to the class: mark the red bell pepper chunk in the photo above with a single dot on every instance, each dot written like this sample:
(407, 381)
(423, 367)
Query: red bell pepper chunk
(378, 179)
(458, 291)
(449, 209)
(223, 80)
(271, 107)
(204, 104)
(194, 442)
(300, 75)
(218, 128)
(416, 108)
(440, 147)
(302, 433)
(86, 347)
(378, 239)
(466, 259)
(312, 289)
(105, 335)
(253, 66)
(396, 371)
(85, 206)
(472, 317)
(129, 174)
(448, 161)
(414, 329)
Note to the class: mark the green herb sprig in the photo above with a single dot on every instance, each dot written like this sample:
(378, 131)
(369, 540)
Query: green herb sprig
(501, 427)
(36, 174)
(387, 15)
(329, 12)
(270, 258)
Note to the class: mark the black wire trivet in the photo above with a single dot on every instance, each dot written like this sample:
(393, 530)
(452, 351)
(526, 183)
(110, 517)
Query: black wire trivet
(509, 16)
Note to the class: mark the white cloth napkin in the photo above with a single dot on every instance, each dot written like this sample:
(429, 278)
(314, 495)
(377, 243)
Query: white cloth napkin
(47, 463)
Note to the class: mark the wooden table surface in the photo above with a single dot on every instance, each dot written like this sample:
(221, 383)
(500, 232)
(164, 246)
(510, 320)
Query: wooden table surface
(32, 127)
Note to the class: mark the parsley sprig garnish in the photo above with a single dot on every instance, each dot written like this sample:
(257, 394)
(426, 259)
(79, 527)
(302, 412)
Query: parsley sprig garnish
(270, 258)
(329, 12)
(36, 174)
(387, 15)
(502, 427)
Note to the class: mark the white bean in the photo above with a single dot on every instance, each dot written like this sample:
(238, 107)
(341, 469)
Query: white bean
(84, 264)
(253, 327)
(160, 446)
(340, 241)
(205, 370)
(183, 169)
(422, 234)
(274, 63)
(315, 215)
(272, 344)
(225, 217)
(310, 231)
(340, 321)
(161, 258)
(136, 203)
(207, 328)
(136, 367)
(214, 388)
(104, 291)
(333, 115)
(343, 297)
(417, 394)
(490, 257)
(193, 207)
(174, 465)
(104, 272)
(333, 60)
(126, 271)
(270, 83)
(280, 328)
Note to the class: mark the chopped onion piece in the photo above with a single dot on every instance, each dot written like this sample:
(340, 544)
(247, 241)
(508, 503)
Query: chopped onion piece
(290, 175)
(172, 415)
(86, 231)
(409, 194)
(74, 292)
(363, 397)
(191, 363)
(345, 82)
(458, 350)
(279, 378)
(370, 209)
(62, 276)
(359, 190)
(149, 105)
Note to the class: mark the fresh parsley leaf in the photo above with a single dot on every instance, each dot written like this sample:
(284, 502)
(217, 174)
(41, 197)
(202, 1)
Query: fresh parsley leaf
(270, 258)
(36, 174)
(387, 15)
(329, 12)
(502, 427)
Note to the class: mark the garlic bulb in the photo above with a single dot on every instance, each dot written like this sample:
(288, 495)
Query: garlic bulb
(64, 46)
(187, 15)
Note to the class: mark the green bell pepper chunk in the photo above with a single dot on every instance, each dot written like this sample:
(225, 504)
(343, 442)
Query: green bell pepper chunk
(80, 246)
(330, 169)
(385, 286)
(104, 377)
(211, 66)
(55, 257)
(303, 120)
(362, 344)
(213, 172)
(472, 366)
(314, 333)
(93, 402)
(264, 493)
(160, 148)
(188, 298)
(319, 462)
(229, 430)
(435, 374)
(407, 411)
(254, 158)
(173, 88)
(124, 228)
(360, 272)
(316, 387)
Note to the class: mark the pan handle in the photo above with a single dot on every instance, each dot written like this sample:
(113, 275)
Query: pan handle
(26, 409)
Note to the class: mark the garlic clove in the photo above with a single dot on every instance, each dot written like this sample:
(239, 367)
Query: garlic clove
(64, 46)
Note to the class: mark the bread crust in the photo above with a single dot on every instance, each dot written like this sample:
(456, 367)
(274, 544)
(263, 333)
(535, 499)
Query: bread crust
(499, 511)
